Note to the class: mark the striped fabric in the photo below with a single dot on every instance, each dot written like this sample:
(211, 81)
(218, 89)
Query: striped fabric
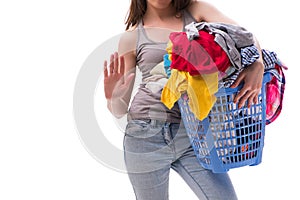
(274, 89)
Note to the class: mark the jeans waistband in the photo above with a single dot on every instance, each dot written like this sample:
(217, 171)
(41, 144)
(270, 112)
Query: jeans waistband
(155, 122)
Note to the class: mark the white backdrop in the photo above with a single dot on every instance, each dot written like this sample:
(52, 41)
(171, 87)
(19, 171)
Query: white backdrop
(43, 46)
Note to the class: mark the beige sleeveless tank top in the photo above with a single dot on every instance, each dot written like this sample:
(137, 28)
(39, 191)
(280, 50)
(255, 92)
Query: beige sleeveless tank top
(147, 104)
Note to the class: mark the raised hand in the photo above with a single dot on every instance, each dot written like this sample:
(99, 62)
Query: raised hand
(116, 82)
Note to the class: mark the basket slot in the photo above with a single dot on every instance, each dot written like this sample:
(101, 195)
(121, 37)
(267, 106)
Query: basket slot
(229, 137)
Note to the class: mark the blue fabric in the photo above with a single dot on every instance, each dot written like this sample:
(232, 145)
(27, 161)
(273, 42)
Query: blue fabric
(167, 64)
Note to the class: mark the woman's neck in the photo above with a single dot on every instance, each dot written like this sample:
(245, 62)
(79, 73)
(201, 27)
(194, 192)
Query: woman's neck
(155, 16)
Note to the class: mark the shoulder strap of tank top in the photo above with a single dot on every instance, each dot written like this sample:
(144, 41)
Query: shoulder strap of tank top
(142, 37)
(188, 18)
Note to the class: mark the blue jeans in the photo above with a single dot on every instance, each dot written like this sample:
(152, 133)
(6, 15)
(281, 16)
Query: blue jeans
(153, 147)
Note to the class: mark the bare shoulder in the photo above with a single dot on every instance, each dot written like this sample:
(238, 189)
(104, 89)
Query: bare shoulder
(128, 40)
(205, 11)
(198, 9)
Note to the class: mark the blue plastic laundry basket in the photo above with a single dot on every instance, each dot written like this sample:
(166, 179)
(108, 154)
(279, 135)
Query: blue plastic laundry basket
(228, 137)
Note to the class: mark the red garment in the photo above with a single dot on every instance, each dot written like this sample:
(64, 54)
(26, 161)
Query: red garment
(199, 56)
(274, 95)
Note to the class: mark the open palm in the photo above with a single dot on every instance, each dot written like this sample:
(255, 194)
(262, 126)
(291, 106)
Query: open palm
(115, 82)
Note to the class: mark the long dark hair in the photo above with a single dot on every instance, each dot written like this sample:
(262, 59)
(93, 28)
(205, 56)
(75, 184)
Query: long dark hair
(138, 8)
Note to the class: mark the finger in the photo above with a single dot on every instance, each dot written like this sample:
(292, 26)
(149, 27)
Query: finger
(251, 100)
(116, 62)
(241, 93)
(243, 100)
(122, 67)
(111, 64)
(105, 69)
(238, 81)
(255, 99)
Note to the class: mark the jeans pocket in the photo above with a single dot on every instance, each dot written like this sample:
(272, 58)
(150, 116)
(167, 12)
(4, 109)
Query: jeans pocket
(137, 128)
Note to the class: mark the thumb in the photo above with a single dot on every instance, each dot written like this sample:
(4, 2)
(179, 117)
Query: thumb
(129, 79)
(238, 81)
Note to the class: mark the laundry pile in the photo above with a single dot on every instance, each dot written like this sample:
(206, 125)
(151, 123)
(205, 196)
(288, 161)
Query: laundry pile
(210, 56)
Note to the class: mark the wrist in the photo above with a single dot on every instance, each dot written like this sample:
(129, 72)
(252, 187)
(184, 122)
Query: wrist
(117, 106)
(258, 64)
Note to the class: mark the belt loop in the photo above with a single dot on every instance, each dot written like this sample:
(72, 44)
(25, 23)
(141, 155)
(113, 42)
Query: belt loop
(152, 122)
(167, 133)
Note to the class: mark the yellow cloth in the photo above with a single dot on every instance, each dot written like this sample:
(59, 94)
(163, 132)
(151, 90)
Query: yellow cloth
(169, 49)
(200, 89)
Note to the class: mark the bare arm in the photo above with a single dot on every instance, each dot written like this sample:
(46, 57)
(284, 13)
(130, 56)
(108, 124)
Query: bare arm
(252, 75)
(119, 76)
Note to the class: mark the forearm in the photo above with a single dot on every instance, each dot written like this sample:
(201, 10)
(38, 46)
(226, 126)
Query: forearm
(117, 106)
(260, 59)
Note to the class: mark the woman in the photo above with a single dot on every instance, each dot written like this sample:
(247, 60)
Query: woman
(155, 140)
